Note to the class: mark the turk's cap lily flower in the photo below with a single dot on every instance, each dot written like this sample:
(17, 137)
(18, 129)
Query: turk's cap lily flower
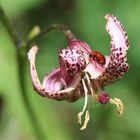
(83, 71)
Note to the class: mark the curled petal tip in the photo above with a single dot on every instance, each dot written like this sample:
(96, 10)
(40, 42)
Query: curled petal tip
(34, 48)
(32, 51)
(34, 76)
(107, 15)
(117, 32)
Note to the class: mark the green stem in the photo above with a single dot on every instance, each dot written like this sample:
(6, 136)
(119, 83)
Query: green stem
(22, 46)
(9, 27)
(57, 27)
(34, 122)
(21, 71)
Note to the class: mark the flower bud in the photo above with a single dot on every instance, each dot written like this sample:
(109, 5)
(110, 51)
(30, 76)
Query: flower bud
(104, 98)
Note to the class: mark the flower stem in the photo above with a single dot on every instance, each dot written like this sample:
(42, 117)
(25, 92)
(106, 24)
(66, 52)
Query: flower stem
(21, 48)
(36, 127)
(9, 27)
(21, 70)
(58, 27)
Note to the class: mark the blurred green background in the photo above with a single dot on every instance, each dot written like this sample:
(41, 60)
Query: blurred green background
(57, 120)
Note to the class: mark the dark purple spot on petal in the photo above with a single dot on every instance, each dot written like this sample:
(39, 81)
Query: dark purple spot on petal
(120, 49)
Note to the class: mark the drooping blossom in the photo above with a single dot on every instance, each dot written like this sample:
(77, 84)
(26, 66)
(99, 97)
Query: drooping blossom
(78, 75)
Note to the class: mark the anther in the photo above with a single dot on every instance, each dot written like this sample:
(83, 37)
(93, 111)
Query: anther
(119, 105)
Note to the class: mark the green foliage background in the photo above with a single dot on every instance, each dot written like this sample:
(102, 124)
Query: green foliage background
(57, 120)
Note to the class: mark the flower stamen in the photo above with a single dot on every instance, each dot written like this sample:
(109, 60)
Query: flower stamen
(87, 118)
(119, 105)
(84, 108)
(90, 86)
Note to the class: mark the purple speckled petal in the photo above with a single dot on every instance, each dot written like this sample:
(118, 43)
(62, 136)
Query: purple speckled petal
(117, 65)
(93, 68)
(31, 56)
(83, 46)
(72, 60)
(52, 81)
(53, 86)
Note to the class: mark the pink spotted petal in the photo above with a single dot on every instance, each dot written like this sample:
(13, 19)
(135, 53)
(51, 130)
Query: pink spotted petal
(75, 59)
(119, 38)
(52, 86)
(36, 82)
(93, 68)
(83, 46)
(117, 65)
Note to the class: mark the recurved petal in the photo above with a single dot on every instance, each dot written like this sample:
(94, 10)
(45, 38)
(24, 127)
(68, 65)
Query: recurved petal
(117, 65)
(119, 38)
(52, 86)
(35, 80)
